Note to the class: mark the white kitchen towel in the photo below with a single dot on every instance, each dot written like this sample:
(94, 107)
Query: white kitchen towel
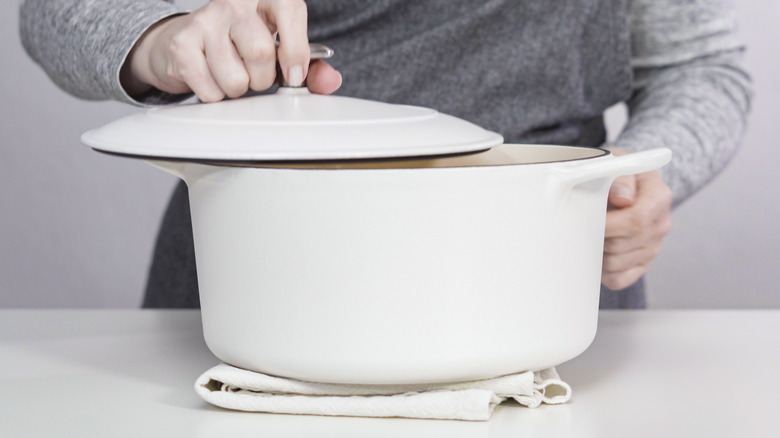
(235, 388)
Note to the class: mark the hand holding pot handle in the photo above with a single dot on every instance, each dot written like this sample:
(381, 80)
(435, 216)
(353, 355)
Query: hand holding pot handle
(639, 217)
(226, 48)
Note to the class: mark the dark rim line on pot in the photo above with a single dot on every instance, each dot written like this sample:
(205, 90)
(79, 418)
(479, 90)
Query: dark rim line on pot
(273, 164)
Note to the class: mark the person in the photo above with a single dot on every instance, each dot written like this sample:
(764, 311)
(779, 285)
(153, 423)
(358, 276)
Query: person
(534, 71)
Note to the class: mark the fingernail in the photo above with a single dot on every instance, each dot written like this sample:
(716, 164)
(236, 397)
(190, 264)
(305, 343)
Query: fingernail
(295, 76)
(622, 191)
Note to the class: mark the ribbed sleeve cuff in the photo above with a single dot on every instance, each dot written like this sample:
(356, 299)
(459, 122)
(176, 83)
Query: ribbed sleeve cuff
(137, 18)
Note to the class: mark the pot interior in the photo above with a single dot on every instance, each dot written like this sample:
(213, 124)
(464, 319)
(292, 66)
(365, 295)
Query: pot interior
(502, 155)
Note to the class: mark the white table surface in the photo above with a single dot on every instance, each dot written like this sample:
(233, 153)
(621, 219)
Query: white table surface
(129, 373)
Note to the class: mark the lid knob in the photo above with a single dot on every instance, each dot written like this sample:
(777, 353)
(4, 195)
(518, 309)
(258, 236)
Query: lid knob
(318, 51)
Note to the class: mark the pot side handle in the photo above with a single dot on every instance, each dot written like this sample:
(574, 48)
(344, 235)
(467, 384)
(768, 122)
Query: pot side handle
(573, 174)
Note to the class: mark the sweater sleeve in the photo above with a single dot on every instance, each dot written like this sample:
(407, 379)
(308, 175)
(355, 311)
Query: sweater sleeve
(691, 91)
(82, 44)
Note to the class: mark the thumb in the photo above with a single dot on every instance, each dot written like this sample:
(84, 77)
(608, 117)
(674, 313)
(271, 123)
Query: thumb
(323, 78)
(623, 192)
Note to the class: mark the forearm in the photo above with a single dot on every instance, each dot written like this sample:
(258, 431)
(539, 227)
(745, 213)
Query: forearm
(82, 45)
(692, 93)
(699, 112)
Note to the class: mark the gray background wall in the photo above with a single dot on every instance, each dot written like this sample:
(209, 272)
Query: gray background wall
(77, 227)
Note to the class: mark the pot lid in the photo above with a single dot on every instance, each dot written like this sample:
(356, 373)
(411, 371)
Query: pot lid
(291, 124)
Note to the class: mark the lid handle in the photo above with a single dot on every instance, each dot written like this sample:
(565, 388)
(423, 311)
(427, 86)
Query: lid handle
(318, 51)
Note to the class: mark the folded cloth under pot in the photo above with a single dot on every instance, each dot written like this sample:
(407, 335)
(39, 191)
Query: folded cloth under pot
(235, 388)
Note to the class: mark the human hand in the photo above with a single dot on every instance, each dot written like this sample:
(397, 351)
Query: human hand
(226, 48)
(639, 216)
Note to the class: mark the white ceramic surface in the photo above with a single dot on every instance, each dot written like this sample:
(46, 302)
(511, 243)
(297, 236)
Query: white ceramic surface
(291, 124)
(407, 274)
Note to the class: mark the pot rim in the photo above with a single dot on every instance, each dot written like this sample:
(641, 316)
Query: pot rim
(441, 161)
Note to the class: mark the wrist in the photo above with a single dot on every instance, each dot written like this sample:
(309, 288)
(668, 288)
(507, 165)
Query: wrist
(136, 75)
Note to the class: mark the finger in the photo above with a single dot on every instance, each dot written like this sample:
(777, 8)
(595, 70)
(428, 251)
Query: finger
(190, 67)
(654, 232)
(624, 279)
(652, 202)
(653, 184)
(289, 19)
(255, 46)
(323, 78)
(622, 245)
(615, 263)
(622, 192)
(625, 223)
(226, 65)
(644, 236)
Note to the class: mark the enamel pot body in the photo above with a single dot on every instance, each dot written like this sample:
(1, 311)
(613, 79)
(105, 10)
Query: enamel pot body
(402, 275)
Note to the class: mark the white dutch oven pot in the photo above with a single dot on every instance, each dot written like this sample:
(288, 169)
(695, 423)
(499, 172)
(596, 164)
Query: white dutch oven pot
(405, 270)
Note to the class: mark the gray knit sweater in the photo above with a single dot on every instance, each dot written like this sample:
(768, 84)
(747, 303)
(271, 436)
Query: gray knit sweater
(685, 86)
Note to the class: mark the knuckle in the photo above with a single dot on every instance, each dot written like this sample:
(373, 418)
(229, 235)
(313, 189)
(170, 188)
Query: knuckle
(262, 84)
(259, 53)
(236, 85)
(178, 43)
